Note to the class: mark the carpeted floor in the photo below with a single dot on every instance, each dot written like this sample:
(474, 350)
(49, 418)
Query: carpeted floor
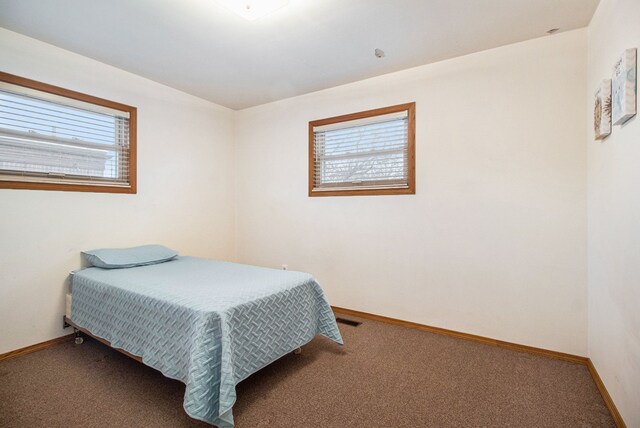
(385, 376)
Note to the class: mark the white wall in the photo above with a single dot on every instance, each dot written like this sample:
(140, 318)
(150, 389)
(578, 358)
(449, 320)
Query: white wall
(614, 220)
(494, 241)
(185, 191)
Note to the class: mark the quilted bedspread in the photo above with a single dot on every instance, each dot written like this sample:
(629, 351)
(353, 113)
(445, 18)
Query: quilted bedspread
(207, 323)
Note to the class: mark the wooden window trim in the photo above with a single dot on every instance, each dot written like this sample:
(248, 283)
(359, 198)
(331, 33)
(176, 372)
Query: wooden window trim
(411, 148)
(71, 187)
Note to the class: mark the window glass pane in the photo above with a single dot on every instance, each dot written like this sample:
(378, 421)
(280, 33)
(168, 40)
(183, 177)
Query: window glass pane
(45, 137)
(374, 152)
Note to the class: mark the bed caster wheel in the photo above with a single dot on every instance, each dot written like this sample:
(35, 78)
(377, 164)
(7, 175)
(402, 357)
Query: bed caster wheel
(297, 351)
(79, 338)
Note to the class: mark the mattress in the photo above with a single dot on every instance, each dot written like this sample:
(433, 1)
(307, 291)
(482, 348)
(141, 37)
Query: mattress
(207, 323)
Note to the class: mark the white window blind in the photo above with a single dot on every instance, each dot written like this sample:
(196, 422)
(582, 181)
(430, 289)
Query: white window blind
(47, 138)
(366, 153)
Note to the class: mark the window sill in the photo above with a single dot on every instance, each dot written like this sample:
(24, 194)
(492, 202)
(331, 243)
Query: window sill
(363, 192)
(66, 187)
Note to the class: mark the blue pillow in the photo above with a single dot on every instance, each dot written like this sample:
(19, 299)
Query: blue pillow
(116, 258)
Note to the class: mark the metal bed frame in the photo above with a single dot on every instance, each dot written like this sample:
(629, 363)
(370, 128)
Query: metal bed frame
(79, 332)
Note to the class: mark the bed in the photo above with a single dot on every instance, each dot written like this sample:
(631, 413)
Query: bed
(207, 323)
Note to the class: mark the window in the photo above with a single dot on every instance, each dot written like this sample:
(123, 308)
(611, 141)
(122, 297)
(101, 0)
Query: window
(366, 153)
(56, 139)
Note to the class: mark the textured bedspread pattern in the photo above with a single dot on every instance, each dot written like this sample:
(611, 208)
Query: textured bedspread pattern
(209, 324)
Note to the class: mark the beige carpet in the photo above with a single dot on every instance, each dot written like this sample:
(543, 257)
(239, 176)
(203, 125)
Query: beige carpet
(385, 376)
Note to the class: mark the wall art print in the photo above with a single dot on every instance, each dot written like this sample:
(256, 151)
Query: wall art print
(624, 87)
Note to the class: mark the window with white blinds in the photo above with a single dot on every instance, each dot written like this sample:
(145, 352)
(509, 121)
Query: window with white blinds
(368, 153)
(55, 139)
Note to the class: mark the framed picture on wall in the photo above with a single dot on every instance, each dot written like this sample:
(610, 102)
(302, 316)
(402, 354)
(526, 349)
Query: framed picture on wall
(624, 82)
(602, 110)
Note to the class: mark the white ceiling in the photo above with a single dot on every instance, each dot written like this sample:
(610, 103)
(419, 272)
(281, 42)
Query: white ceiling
(206, 50)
